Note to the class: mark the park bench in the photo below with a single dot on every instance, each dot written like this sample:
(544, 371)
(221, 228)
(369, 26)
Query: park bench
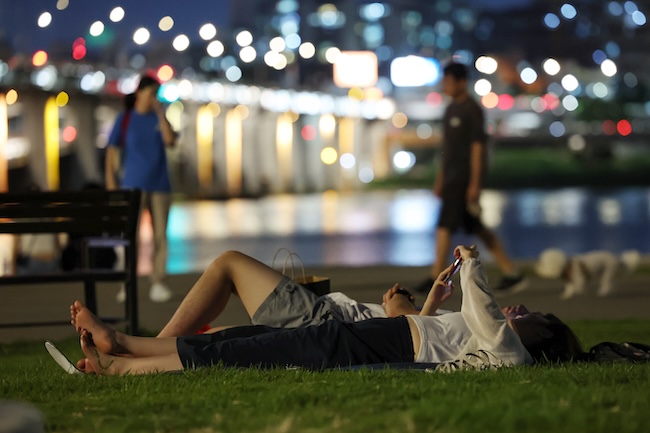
(100, 218)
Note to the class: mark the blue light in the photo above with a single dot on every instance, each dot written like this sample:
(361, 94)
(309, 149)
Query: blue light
(615, 9)
(568, 11)
(599, 56)
(552, 21)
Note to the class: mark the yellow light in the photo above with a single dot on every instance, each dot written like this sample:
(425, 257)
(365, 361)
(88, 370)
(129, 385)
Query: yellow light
(51, 126)
(284, 146)
(356, 93)
(400, 120)
(12, 97)
(174, 115)
(62, 99)
(215, 109)
(39, 58)
(294, 116)
(374, 94)
(327, 126)
(328, 155)
(234, 152)
(204, 139)
(346, 135)
(242, 111)
(4, 137)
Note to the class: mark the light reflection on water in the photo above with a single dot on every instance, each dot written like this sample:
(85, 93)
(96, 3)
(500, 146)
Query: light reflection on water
(398, 227)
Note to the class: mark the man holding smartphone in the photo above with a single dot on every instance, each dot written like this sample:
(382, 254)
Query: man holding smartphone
(459, 180)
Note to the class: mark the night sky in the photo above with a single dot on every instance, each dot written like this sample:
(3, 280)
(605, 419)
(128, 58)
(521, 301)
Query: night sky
(18, 19)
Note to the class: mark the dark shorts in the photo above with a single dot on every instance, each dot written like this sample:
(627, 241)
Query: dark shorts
(330, 345)
(454, 213)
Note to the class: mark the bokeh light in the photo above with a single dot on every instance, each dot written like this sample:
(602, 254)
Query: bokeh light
(165, 73)
(207, 31)
(116, 15)
(69, 134)
(399, 120)
(141, 36)
(62, 99)
(181, 42)
(96, 28)
(11, 97)
(39, 58)
(551, 66)
(308, 132)
(166, 23)
(624, 127)
(328, 155)
(44, 20)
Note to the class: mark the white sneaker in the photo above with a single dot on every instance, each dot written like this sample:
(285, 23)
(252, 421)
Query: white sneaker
(481, 360)
(121, 295)
(159, 292)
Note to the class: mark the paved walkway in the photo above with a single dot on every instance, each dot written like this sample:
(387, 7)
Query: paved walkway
(50, 302)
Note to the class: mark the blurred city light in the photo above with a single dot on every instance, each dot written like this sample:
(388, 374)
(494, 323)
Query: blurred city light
(166, 23)
(551, 66)
(207, 31)
(96, 29)
(117, 14)
(215, 48)
(39, 58)
(414, 71)
(355, 69)
(44, 20)
(244, 38)
(141, 36)
(181, 42)
(328, 155)
(482, 87)
(608, 67)
(486, 65)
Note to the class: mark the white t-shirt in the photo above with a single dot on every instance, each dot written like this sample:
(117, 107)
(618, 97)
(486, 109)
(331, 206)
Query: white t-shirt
(480, 325)
(353, 311)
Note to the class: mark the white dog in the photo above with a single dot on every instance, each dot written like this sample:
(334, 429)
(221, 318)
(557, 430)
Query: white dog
(577, 271)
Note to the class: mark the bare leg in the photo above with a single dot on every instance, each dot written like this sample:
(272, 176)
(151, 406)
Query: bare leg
(443, 244)
(231, 273)
(104, 364)
(492, 241)
(109, 341)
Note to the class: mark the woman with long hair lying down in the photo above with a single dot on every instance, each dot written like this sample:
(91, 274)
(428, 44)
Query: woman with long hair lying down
(481, 335)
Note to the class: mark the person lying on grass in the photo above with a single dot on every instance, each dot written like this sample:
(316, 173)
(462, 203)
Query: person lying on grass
(274, 300)
(481, 330)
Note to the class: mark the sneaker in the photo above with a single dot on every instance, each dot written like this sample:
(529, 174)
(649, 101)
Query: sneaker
(481, 360)
(424, 286)
(159, 293)
(512, 284)
(121, 295)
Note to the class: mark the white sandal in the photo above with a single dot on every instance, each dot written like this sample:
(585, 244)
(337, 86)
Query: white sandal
(61, 359)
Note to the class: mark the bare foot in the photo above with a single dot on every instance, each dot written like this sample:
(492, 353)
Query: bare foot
(96, 361)
(84, 365)
(103, 336)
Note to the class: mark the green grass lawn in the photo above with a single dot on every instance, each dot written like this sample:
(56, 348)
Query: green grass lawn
(566, 398)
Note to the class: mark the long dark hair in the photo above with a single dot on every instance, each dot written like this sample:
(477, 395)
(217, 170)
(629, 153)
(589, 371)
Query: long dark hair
(561, 346)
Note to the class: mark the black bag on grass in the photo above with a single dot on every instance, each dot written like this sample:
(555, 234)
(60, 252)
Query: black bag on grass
(618, 352)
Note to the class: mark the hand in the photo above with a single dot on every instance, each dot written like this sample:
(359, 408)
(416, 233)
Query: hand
(440, 291)
(395, 306)
(397, 289)
(465, 252)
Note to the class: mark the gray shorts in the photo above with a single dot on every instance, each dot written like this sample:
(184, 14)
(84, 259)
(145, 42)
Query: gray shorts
(290, 305)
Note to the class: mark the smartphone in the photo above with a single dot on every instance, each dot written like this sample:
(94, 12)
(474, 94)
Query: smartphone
(454, 269)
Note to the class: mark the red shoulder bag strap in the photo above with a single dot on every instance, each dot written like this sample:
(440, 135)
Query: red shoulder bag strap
(124, 126)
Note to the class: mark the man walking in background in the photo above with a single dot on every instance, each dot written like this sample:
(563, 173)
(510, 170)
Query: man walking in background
(459, 180)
